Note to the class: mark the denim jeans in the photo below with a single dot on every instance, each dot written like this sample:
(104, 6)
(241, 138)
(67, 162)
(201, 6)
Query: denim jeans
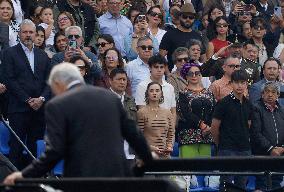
(239, 181)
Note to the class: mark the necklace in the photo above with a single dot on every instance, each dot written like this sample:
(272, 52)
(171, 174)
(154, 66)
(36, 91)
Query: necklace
(155, 110)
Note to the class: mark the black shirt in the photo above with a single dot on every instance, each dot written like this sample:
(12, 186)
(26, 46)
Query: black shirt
(175, 38)
(234, 129)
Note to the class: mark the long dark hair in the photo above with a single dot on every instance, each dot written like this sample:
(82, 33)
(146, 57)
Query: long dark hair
(40, 28)
(161, 100)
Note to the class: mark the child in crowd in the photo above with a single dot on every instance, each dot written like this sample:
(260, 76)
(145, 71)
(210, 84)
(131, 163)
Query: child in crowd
(47, 22)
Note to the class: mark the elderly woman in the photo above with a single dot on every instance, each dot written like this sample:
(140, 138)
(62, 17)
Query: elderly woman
(267, 130)
(180, 57)
(155, 122)
(195, 107)
(112, 60)
(7, 17)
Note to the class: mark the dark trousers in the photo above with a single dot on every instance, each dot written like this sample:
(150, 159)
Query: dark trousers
(239, 181)
(30, 127)
(261, 182)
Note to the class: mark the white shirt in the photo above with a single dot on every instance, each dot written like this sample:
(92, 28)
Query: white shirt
(159, 35)
(168, 92)
(50, 40)
(30, 56)
(18, 11)
(126, 145)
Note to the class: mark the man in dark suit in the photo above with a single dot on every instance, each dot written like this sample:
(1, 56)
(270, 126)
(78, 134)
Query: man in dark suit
(26, 69)
(86, 126)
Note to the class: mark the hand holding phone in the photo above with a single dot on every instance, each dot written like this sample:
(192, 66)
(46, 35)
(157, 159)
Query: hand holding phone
(72, 44)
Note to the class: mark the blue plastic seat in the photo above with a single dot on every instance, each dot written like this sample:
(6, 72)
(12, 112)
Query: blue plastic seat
(251, 183)
(4, 139)
(201, 185)
(175, 152)
(58, 169)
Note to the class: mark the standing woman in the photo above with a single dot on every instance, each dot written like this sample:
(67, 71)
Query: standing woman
(214, 12)
(155, 19)
(156, 123)
(221, 28)
(112, 60)
(195, 107)
(7, 17)
(40, 37)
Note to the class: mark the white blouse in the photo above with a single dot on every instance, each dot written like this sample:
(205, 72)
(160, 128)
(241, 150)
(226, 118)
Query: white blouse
(18, 11)
(13, 33)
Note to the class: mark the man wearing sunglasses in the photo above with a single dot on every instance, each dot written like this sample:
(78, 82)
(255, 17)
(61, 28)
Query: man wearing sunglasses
(223, 87)
(74, 37)
(180, 36)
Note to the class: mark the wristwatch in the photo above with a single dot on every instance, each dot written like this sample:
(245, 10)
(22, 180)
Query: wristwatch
(42, 99)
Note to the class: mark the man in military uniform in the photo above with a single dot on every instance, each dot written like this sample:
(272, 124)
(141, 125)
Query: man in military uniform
(249, 62)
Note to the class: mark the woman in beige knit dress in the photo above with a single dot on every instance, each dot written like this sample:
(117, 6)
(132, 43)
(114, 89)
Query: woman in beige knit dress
(156, 123)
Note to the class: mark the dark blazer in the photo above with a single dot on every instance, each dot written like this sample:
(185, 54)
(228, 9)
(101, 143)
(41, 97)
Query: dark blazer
(20, 80)
(86, 126)
(267, 128)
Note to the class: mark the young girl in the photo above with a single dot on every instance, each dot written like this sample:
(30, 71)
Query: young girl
(46, 17)
(156, 123)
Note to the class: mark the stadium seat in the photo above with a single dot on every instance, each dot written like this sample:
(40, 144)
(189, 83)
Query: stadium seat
(175, 152)
(251, 183)
(4, 139)
(58, 169)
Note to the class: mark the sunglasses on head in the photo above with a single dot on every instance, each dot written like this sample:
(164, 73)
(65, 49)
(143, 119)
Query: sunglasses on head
(144, 47)
(73, 36)
(192, 74)
(222, 25)
(154, 14)
(63, 19)
(188, 16)
(234, 66)
(103, 44)
(183, 59)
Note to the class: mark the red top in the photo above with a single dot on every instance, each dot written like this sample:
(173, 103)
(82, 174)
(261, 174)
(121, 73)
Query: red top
(218, 44)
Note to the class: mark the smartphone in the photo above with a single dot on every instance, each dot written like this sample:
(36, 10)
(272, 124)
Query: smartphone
(141, 18)
(72, 44)
(277, 11)
(247, 7)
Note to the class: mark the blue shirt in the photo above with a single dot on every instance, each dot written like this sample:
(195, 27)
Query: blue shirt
(30, 56)
(118, 28)
(137, 71)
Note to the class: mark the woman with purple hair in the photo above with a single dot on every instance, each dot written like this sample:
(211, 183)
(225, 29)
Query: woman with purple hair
(195, 108)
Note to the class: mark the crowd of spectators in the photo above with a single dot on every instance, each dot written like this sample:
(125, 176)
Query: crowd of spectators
(202, 73)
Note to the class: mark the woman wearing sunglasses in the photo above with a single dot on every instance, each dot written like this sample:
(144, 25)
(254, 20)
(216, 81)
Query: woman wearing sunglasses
(83, 67)
(195, 108)
(155, 19)
(221, 28)
(112, 59)
(104, 42)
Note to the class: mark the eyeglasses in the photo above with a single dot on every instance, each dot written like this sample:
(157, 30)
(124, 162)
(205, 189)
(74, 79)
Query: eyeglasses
(81, 67)
(234, 66)
(258, 27)
(144, 47)
(188, 16)
(222, 25)
(102, 44)
(63, 19)
(154, 14)
(113, 58)
(183, 59)
(73, 36)
(192, 74)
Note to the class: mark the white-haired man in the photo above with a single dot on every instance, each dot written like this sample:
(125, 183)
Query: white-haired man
(26, 69)
(85, 127)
